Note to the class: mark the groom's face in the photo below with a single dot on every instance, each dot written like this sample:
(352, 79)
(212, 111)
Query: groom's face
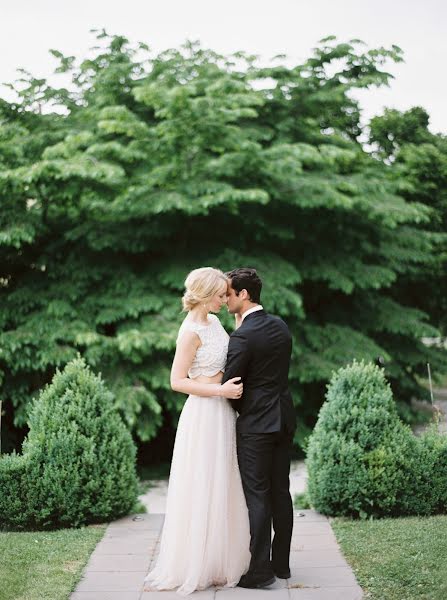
(234, 302)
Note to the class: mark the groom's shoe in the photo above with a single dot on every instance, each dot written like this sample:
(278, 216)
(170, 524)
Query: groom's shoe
(283, 575)
(255, 582)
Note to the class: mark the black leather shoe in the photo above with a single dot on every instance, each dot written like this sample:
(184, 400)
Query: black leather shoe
(285, 575)
(253, 583)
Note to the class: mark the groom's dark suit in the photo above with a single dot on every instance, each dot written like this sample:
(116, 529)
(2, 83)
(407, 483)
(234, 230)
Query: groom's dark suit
(259, 351)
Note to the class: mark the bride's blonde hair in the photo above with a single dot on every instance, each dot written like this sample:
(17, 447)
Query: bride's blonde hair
(201, 285)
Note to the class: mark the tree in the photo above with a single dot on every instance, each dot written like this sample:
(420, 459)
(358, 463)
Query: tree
(160, 164)
(419, 165)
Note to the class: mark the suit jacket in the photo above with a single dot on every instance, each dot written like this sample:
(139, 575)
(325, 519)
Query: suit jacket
(259, 351)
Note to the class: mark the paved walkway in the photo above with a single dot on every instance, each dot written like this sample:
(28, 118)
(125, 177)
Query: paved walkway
(119, 563)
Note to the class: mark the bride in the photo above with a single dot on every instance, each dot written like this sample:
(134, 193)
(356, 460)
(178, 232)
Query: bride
(205, 539)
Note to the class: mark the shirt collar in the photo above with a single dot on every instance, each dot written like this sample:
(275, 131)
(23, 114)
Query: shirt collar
(251, 310)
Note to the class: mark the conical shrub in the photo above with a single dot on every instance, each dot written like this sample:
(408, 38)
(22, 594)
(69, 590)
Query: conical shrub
(358, 450)
(78, 462)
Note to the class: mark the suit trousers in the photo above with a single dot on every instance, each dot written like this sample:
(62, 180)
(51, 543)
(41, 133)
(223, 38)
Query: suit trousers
(264, 463)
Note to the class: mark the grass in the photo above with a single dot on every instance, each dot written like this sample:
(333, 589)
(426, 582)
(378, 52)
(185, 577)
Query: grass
(397, 559)
(44, 565)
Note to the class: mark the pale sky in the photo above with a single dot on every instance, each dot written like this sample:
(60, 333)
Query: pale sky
(29, 28)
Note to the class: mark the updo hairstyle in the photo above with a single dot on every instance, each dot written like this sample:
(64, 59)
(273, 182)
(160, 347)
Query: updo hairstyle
(201, 285)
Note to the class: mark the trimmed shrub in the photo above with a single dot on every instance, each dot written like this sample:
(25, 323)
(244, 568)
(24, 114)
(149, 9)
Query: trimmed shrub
(78, 461)
(426, 492)
(363, 460)
(13, 490)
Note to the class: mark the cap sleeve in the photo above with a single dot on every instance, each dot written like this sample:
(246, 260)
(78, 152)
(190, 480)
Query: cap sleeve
(194, 327)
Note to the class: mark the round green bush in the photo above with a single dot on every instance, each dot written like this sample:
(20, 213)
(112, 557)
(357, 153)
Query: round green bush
(360, 455)
(78, 461)
(13, 490)
(363, 461)
(426, 492)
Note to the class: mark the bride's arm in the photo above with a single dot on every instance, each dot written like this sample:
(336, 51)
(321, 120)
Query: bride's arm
(187, 347)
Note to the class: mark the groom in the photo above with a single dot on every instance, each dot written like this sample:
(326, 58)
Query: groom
(259, 351)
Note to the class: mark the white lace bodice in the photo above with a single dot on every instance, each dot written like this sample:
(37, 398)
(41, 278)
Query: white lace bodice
(211, 355)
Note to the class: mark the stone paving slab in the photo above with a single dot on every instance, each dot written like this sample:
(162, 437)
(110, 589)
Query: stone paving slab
(322, 577)
(106, 596)
(172, 595)
(316, 558)
(308, 516)
(302, 527)
(140, 521)
(120, 562)
(341, 593)
(314, 542)
(125, 546)
(126, 533)
(122, 581)
(237, 593)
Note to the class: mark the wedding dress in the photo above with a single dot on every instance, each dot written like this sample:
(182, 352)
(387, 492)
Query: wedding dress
(205, 539)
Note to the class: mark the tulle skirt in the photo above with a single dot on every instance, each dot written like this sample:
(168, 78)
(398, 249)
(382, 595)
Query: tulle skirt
(205, 539)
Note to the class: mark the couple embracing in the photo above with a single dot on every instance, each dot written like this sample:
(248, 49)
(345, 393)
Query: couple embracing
(229, 480)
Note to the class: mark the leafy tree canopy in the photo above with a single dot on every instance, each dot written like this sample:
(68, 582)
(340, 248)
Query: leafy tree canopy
(146, 166)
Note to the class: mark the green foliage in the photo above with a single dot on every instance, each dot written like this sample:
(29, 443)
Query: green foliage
(426, 492)
(363, 460)
(13, 479)
(301, 501)
(355, 450)
(78, 462)
(420, 166)
(154, 165)
(394, 129)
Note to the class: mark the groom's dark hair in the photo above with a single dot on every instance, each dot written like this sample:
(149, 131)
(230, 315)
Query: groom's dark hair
(246, 279)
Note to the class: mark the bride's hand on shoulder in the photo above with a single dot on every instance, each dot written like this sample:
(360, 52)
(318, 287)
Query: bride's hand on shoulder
(233, 388)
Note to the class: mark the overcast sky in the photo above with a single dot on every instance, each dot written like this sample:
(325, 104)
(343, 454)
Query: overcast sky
(28, 28)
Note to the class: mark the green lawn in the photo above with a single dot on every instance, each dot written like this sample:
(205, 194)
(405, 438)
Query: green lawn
(44, 565)
(397, 559)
